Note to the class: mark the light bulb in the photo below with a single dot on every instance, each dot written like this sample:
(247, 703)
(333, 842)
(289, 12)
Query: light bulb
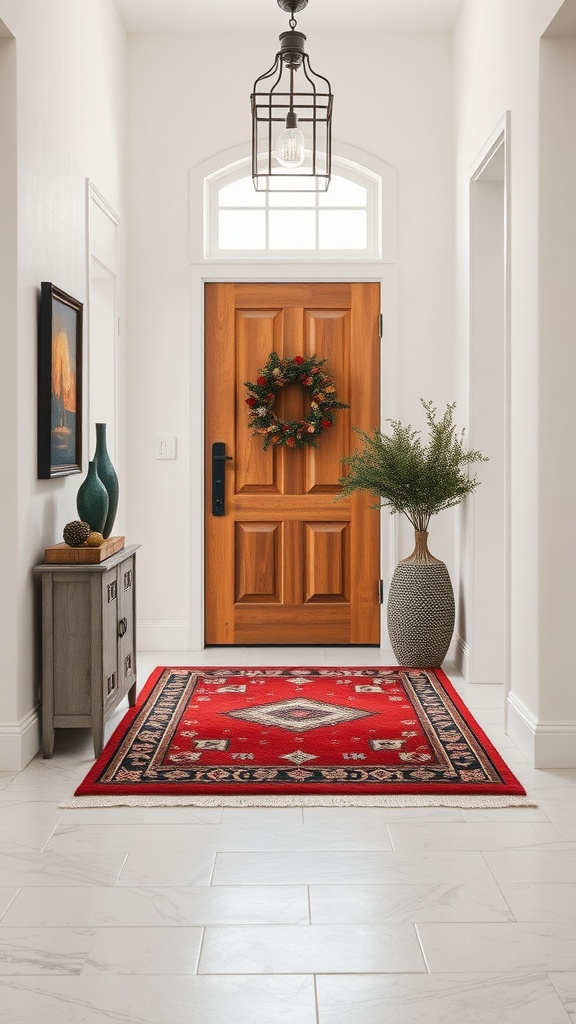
(289, 150)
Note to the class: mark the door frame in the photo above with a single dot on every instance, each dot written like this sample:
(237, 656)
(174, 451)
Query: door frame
(280, 273)
(492, 165)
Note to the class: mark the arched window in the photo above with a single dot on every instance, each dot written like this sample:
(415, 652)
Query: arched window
(345, 222)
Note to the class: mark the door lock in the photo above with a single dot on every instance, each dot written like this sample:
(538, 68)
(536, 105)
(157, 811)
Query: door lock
(219, 478)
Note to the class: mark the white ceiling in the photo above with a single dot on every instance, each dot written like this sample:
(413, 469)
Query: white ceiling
(265, 15)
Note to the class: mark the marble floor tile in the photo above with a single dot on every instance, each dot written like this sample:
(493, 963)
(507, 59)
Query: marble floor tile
(171, 867)
(560, 806)
(533, 866)
(517, 998)
(317, 949)
(477, 696)
(471, 835)
(530, 947)
(182, 815)
(376, 904)
(505, 814)
(7, 897)
(41, 780)
(542, 902)
(323, 868)
(20, 866)
(565, 985)
(142, 950)
(233, 835)
(74, 837)
(374, 817)
(265, 817)
(140, 815)
(136, 999)
(490, 716)
(276, 837)
(29, 823)
(116, 906)
(536, 779)
(44, 950)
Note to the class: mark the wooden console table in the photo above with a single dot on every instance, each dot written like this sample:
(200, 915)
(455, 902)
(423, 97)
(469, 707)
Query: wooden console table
(88, 644)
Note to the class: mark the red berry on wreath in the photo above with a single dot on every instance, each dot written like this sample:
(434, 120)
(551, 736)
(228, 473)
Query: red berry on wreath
(298, 360)
(261, 381)
(325, 424)
(251, 401)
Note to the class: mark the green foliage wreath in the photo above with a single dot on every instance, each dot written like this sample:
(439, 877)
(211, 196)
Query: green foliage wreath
(276, 374)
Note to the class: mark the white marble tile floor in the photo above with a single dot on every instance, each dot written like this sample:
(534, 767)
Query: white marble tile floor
(315, 915)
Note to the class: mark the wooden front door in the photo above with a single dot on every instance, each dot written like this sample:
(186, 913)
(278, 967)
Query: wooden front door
(286, 564)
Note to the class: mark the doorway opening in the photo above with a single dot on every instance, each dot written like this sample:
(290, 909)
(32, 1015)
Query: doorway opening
(488, 515)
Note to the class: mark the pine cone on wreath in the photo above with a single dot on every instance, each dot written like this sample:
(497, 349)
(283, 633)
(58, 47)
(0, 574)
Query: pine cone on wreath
(76, 533)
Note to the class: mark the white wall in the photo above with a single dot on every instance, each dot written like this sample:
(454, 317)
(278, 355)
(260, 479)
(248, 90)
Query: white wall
(188, 100)
(557, 375)
(497, 68)
(70, 113)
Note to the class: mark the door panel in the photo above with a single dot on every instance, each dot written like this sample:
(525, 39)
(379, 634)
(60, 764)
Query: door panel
(286, 563)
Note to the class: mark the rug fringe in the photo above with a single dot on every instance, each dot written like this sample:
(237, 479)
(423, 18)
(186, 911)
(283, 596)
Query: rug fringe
(409, 800)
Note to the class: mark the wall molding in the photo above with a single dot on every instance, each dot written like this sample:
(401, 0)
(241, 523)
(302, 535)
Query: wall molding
(545, 744)
(20, 741)
(461, 654)
(163, 635)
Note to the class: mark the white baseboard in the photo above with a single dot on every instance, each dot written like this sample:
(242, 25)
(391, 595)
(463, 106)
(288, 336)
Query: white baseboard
(460, 654)
(545, 744)
(19, 741)
(162, 635)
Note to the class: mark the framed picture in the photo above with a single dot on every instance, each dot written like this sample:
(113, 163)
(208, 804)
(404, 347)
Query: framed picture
(59, 383)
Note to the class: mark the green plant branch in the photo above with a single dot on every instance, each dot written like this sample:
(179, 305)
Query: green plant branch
(408, 477)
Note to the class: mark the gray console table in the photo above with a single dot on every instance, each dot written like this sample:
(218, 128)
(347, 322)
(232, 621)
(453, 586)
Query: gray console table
(88, 644)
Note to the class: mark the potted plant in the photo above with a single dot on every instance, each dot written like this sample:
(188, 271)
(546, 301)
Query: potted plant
(418, 480)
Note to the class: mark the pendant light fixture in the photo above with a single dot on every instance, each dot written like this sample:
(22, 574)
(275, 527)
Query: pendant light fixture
(291, 118)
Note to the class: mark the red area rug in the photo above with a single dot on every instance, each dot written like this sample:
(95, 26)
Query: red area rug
(291, 735)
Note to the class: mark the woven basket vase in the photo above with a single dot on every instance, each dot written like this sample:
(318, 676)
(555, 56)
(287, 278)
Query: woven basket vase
(420, 608)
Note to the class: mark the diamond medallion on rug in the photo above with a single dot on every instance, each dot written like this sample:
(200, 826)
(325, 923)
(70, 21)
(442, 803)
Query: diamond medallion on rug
(290, 735)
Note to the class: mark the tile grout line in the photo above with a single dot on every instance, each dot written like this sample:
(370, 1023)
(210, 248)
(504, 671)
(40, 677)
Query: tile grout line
(316, 1007)
(200, 950)
(122, 866)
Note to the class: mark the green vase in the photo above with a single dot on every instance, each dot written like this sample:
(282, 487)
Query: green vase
(92, 500)
(107, 475)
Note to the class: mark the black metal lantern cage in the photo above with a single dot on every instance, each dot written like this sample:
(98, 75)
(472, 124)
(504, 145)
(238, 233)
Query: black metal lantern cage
(291, 87)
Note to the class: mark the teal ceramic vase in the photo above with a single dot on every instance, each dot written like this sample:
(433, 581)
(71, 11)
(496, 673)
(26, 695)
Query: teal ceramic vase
(92, 500)
(107, 475)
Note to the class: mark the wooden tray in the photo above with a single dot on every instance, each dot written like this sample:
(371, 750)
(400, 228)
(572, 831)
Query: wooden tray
(62, 553)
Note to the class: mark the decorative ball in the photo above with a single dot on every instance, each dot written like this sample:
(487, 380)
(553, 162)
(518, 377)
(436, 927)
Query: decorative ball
(94, 540)
(76, 533)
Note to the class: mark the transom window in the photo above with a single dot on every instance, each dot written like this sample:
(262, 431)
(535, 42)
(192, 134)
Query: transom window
(342, 222)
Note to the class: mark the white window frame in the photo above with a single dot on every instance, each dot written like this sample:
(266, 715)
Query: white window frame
(379, 180)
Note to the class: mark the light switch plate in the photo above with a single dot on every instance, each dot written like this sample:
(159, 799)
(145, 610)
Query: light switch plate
(165, 447)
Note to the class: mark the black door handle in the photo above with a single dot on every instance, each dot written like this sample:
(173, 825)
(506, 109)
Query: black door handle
(219, 478)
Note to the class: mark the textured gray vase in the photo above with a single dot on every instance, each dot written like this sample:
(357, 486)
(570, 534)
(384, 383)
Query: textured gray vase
(92, 500)
(107, 475)
(420, 608)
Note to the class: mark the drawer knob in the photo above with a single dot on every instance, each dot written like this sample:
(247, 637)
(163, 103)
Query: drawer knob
(122, 626)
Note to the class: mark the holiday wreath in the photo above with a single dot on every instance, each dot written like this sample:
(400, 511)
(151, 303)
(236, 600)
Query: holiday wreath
(274, 376)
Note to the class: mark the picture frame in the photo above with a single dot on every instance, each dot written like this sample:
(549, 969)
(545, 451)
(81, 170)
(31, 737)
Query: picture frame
(59, 383)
